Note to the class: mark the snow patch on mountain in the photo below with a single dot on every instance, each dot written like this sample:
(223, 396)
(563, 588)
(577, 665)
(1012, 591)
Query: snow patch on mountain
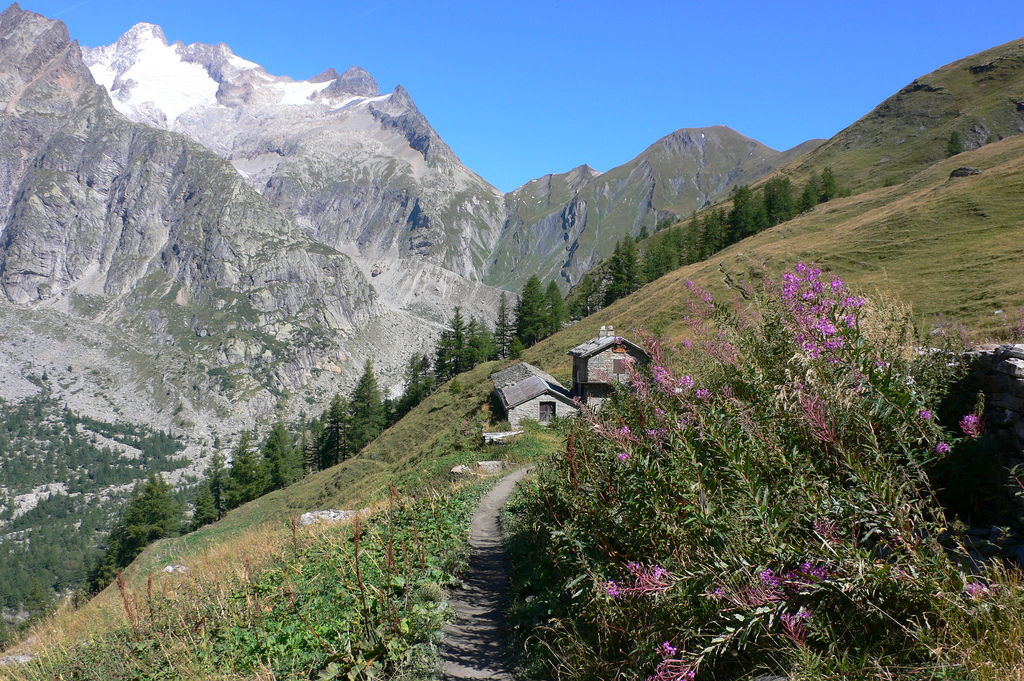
(141, 71)
(153, 81)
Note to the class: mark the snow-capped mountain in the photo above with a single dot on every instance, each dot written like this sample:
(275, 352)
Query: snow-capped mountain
(361, 172)
(154, 81)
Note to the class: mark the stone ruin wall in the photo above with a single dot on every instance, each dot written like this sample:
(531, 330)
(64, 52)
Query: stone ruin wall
(998, 371)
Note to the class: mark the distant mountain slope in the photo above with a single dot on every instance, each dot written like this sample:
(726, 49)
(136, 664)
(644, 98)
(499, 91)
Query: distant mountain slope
(980, 97)
(950, 247)
(561, 226)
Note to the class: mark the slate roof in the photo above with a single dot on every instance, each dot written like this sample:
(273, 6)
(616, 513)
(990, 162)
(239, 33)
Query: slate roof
(522, 382)
(596, 345)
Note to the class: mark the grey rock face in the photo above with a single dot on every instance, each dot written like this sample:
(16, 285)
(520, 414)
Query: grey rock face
(355, 81)
(153, 231)
(360, 172)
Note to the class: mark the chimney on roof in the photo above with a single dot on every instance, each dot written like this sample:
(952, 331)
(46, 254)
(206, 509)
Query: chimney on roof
(606, 332)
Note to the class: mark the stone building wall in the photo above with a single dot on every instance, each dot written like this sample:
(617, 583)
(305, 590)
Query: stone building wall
(601, 367)
(531, 409)
(998, 371)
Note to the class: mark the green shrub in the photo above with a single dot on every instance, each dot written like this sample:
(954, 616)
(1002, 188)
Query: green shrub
(756, 502)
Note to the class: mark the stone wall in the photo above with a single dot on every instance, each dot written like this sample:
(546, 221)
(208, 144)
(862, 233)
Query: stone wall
(998, 371)
(531, 409)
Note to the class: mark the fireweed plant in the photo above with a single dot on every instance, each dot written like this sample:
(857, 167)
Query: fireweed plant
(756, 501)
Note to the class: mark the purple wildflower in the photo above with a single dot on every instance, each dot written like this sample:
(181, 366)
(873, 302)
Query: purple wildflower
(942, 448)
(972, 426)
(623, 456)
(668, 650)
(796, 626)
(925, 415)
(703, 394)
(647, 579)
(975, 589)
(612, 589)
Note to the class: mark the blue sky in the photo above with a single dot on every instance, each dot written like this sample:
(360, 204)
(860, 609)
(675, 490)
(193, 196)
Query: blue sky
(523, 89)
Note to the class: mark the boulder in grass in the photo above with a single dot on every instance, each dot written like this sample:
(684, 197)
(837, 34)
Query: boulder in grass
(332, 516)
(964, 171)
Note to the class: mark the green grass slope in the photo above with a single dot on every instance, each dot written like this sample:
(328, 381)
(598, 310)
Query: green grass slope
(981, 97)
(951, 247)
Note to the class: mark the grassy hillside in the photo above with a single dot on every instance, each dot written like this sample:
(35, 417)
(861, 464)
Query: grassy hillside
(981, 97)
(951, 247)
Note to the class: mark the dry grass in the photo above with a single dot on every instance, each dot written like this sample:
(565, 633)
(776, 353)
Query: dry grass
(985, 634)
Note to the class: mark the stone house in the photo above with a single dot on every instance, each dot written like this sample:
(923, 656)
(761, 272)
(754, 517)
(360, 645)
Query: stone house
(600, 363)
(526, 392)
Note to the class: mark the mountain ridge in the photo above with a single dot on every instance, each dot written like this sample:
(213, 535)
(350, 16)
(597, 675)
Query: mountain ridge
(395, 199)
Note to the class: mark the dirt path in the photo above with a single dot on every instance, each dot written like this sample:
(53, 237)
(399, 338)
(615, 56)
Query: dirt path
(473, 639)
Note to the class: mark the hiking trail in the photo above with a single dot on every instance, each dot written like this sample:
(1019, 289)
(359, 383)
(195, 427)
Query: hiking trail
(473, 640)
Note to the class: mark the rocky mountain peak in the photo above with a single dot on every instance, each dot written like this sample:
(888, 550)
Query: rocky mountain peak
(40, 67)
(355, 81)
(141, 32)
(325, 76)
(401, 98)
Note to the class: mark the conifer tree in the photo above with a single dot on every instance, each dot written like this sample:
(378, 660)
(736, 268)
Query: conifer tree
(152, 514)
(587, 297)
(557, 314)
(531, 317)
(778, 200)
(624, 271)
(205, 511)
(451, 352)
(311, 438)
(517, 349)
(280, 460)
(504, 327)
(747, 216)
(419, 382)
(481, 345)
(245, 480)
(829, 185)
(332, 446)
(954, 145)
(215, 480)
(810, 196)
(366, 411)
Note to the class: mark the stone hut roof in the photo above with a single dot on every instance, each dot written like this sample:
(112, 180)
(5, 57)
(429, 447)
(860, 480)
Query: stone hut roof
(522, 382)
(605, 339)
